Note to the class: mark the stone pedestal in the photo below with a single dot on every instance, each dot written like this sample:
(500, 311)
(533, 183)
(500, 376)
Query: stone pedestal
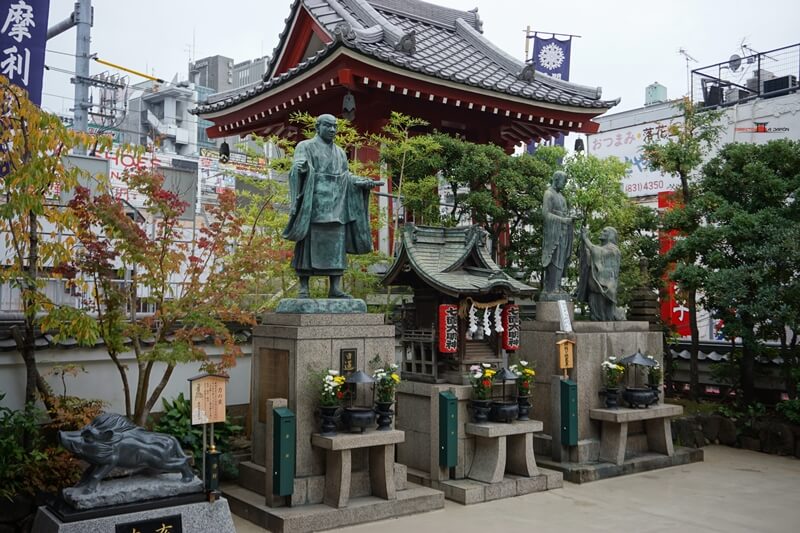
(287, 350)
(199, 517)
(339, 463)
(614, 440)
(594, 342)
(499, 455)
(333, 486)
(501, 448)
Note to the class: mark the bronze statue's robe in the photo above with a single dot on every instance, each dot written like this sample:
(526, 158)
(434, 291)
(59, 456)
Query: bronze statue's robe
(599, 278)
(330, 215)
(557, 242)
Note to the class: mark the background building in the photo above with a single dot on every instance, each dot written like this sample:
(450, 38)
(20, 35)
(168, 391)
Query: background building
(757, 93)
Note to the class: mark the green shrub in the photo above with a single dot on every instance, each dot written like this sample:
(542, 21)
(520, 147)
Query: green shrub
(176, 420)
(790, 409)
(27, 464)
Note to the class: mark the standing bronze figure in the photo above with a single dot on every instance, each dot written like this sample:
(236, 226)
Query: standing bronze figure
(600, 274)
(329, 214)
(557, 242)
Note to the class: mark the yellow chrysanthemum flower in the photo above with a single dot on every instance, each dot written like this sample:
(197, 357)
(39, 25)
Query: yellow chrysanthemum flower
(395, 377)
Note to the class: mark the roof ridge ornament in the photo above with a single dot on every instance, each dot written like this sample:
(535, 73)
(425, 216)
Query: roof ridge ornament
(344, 32)
(401, 40)
(373, 34)
(429, 13)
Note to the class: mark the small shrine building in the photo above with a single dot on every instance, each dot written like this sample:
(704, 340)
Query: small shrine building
(463, 311)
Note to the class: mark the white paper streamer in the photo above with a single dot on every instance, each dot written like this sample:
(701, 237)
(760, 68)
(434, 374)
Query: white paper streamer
(487, 327)
(498, 321)
(473, 319)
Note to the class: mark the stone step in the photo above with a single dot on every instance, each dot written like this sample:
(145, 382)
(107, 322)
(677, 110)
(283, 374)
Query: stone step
(419, 477)
(251, 477)
(250, 506)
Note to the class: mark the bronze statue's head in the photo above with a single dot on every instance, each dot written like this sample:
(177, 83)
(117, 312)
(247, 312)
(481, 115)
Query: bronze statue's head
(559, 180)
(608, 234)
(326, 127)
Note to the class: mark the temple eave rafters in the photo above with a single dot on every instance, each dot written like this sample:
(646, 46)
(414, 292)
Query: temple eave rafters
(343, 71)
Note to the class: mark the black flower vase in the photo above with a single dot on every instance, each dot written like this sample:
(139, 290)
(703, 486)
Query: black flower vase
(384, 411)
(480, 410)
(612, 397)
(524, 403)
(328, 415)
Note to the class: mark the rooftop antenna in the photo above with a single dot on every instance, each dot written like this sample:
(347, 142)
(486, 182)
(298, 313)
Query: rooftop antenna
(753, 52)
(685, 53)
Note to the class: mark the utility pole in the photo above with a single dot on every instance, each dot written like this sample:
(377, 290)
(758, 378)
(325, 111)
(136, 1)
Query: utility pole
(81, 18)
(83, 23)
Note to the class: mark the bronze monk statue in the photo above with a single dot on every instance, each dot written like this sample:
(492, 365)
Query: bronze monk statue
(329, 214)
(557, 241)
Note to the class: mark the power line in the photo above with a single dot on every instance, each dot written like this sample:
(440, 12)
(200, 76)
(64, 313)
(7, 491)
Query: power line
(60, 52)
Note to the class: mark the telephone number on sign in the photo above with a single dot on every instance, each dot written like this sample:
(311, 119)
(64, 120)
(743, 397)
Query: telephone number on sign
(655, 185)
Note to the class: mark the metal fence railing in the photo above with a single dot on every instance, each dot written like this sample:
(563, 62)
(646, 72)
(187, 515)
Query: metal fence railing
(760, 75)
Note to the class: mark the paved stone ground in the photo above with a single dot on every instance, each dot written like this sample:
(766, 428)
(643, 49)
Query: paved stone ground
(731, 491)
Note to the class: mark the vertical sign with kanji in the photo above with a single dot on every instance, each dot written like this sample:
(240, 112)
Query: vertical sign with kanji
(510, 327)
(566, 349)
(23, 35)
(208, 398)
(448, 328)
(674, 311)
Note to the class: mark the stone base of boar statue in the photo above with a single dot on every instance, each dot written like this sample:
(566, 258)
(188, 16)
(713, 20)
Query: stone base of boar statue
(112, 441)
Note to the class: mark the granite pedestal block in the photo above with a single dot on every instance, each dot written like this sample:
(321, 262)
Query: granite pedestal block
(501, 448)
(131, 489)
(594, 342)
(200, 517)
(338, 464)
(614, 439)
(287, 349)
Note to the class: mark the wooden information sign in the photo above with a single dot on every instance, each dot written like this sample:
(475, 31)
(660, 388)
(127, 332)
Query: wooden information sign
(208, 398)
(565, 354)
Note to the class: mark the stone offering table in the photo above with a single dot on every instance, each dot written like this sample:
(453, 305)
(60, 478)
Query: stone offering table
(501, 448)
(338, 463)
(614, 436)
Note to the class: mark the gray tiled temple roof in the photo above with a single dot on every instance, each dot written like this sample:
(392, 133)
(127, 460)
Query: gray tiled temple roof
(418, 37)
(454, 261)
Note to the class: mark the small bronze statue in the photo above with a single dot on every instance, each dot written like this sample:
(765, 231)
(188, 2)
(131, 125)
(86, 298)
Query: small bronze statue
(329, 214)
(111, 441)
(600, 275)
(557, 241)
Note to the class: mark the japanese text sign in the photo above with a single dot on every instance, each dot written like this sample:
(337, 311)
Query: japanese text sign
(23, 35)
(565, 353)
(510, 319)
(448, 328)
(208, 399)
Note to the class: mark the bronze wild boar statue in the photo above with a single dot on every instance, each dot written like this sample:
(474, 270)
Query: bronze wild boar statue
(111, 441)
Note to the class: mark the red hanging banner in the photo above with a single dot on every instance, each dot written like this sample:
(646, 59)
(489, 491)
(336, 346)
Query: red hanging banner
(673, 309)
(448, 328)
(511, 327)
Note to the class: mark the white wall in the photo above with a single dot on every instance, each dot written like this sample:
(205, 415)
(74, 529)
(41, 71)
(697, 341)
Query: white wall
(102, 379)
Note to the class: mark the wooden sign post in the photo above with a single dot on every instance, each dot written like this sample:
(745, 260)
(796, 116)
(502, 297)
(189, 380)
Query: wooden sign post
(207, 398)
(566, 349)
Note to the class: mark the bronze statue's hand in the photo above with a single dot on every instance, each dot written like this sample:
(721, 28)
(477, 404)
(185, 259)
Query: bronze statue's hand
(301, 165)
(369, 184)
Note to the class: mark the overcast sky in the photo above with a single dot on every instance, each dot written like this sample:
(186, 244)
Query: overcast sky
(624, 45)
